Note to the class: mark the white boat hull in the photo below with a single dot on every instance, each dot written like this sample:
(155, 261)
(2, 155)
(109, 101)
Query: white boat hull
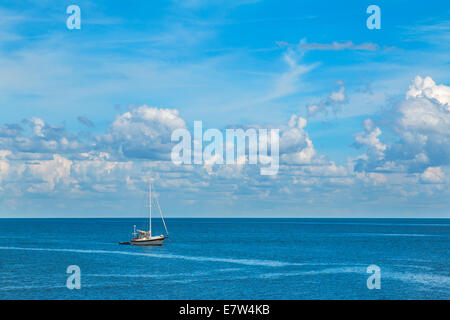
(153, 241)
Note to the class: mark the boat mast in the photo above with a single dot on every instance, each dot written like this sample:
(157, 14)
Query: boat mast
(162, 218)
(150, 206)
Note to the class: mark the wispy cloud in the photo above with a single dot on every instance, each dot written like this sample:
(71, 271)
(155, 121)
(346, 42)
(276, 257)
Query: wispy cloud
(85, 121)
(334, 46)
(434, 32)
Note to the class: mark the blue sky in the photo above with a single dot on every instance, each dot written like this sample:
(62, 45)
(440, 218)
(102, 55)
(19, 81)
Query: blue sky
(376, 103)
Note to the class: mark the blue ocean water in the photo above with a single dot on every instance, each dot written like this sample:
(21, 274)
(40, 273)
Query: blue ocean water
(226, 259)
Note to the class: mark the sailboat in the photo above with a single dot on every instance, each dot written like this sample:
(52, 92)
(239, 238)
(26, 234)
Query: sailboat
(145, 238)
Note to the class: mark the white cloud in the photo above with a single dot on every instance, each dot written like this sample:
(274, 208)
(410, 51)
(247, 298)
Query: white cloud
(422, 128)
(334, 46)
(424, 116)
(37, 125)
(4, 164)
(97, 167)
(432, 175)
(338, 96)
(427, 88)
(4, 169)
(295, 145)
(288, 82)
(4, 154)
(339, 46)
(143, 132)
(369, 138)
(105, 170)
(39, 138)
(372, 178)
(333, 103)
(50, 172)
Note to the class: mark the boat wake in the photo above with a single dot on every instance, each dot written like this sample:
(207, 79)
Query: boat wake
(250, 262)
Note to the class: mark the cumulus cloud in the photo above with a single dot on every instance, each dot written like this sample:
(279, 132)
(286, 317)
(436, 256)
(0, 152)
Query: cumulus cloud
(38, 137)
(10, 130)
(295, 145)
(4, 153)
(371, 178)
(97, 167)
(333, 103)
(370, 138)
(425, 115)
(137, 145)
(427, 88)
(4, 164)
(422, 132)
(432, 175)
(423, 126)
(41, 158)
(143, 132)
(49, 173)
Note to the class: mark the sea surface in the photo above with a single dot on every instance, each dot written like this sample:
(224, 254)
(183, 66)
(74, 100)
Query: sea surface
(226, 259)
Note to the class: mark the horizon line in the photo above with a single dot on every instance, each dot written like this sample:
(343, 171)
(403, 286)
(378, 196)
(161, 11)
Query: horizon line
(226, 218)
